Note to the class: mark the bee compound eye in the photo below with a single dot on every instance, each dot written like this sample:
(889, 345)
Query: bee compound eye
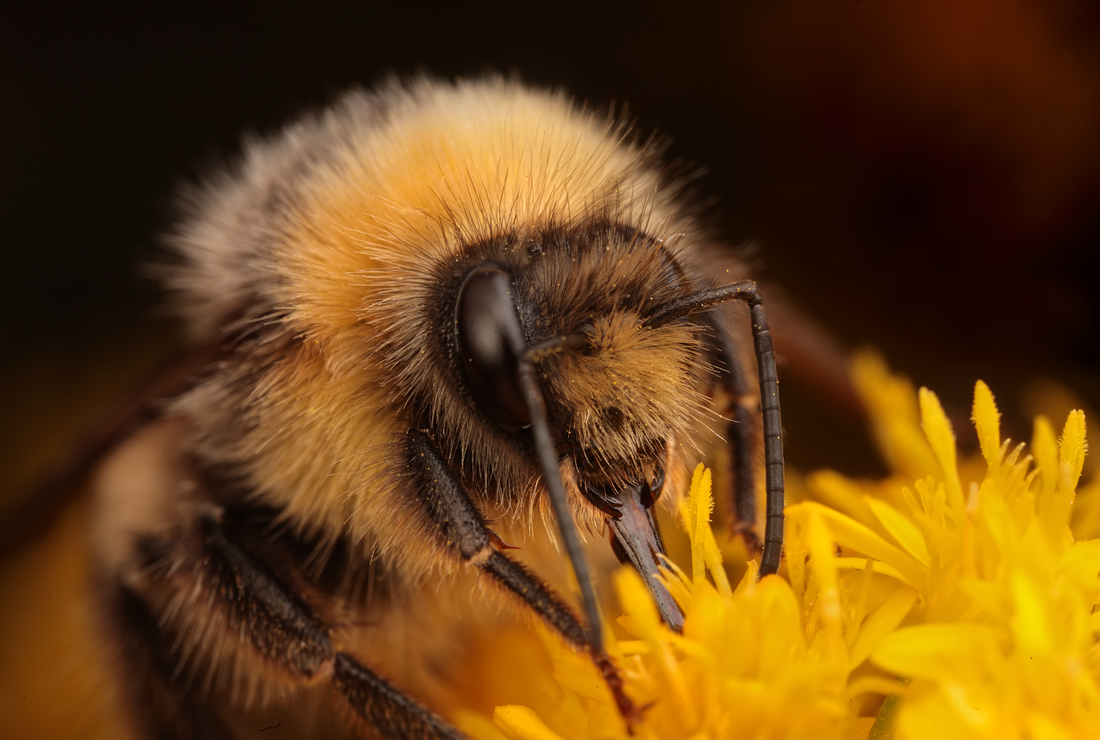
(490, 342)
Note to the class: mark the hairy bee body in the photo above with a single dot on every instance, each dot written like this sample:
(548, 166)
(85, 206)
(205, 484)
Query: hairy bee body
(281, 493)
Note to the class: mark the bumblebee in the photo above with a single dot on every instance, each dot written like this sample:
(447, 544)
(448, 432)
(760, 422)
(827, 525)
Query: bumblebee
(428, 321)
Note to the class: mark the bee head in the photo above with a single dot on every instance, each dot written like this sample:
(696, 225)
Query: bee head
(619, 391)
(559, 346)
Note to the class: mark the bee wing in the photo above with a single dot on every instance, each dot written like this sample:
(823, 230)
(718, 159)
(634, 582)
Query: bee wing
(35, 510)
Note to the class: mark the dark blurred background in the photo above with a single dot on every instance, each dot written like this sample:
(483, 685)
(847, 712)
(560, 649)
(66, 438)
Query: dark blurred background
(922, 176)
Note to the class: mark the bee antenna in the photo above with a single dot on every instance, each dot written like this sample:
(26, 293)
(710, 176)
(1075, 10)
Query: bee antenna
(749, 293)
(551, 475)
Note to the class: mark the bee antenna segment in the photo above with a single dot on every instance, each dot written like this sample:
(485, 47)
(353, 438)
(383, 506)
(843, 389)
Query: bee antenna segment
(749, 293)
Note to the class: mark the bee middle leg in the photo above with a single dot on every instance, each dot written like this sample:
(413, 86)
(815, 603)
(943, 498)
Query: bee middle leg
(466, 534)
(741, 411)
(205, 622)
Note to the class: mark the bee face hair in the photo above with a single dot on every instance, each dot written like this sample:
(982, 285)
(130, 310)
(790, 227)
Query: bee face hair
(436, 311)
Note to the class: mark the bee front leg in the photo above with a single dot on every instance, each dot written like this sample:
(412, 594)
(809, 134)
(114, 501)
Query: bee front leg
(464, 533)
(206, 623)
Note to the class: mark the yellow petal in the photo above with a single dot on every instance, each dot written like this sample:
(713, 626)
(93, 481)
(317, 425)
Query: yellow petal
(901, 529)
(1045, 451)
(849, 533)
(881, 622)
(1094, 623)
(876, 685)
(704, 548)
(860, 563)
(646, 623)
(987, 420)
(823, 567)
(477, 726)
(856, 610)
(938, 431)
(1073, 446)
(676, 581)
(1081, 564)
(699, 505)
(634, 647)
(1030, 621)
(780, 636)
(1041, 727)
(637, 603)
(929, 714)
(520, 723)
(894, 416)
(841, 493)
(577, 673)
(714, 564)
(1086, 510)
(935, 651)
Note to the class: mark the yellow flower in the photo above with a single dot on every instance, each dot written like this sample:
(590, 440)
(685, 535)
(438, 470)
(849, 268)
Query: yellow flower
(1004, 644)
(748, 664)
(955, 588)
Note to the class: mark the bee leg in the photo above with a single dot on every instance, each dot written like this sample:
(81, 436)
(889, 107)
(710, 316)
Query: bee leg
(742, 409)
(208, 605)
(771, 417)
(463, 531)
